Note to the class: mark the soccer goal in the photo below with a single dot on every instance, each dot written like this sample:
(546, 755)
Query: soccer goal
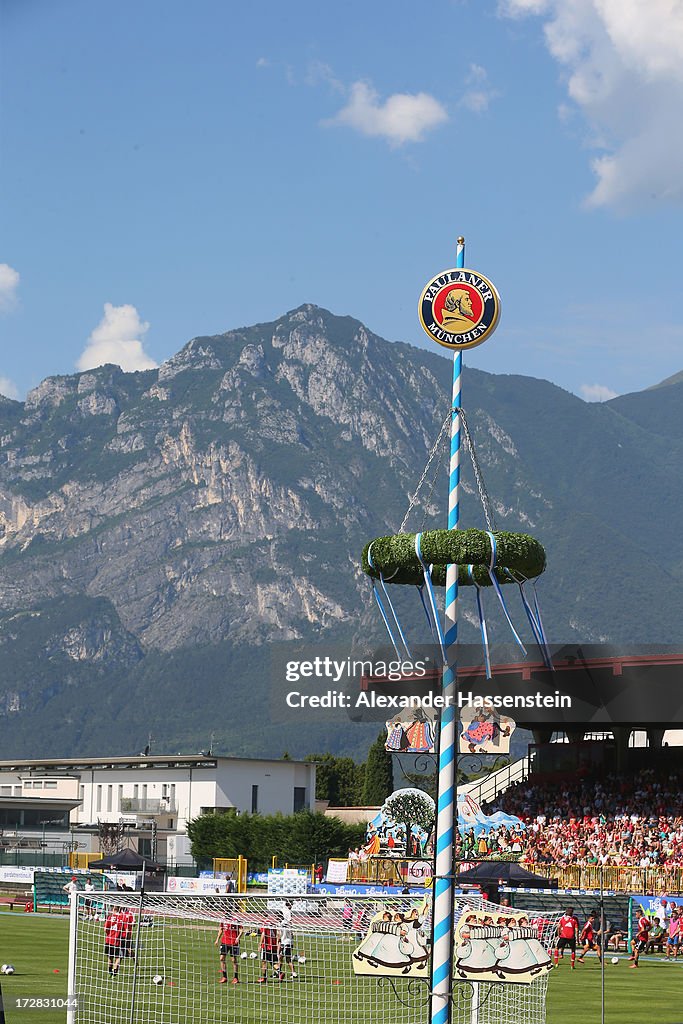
(171, 958)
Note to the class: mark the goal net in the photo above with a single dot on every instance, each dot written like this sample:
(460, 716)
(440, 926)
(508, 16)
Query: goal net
(171, 958)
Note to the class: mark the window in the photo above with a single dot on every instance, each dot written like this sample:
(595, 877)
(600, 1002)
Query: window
(109, 797)
(98, 806)
(254, 799)
(120, 803)
(50, 785)
(299, 799)
(6, 790)
(173, 794)
(135, 792)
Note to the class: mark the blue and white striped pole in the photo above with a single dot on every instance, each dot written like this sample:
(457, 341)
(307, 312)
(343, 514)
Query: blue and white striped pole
(446, 814)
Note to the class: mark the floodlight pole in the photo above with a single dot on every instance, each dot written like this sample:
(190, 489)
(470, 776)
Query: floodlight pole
(446, 856)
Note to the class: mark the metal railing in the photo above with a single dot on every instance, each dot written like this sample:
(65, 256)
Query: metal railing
(133, 805)
(656, 881)
(488, 788)
(391, 871)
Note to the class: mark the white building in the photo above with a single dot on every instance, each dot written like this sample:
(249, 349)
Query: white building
(65, 802)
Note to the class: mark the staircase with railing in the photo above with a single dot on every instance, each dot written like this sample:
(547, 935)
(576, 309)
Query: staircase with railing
(485, 790)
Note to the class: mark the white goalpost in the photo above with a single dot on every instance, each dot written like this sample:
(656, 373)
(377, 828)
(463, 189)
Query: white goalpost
(156, 959)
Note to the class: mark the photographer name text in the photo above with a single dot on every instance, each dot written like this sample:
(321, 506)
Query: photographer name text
(437, 701)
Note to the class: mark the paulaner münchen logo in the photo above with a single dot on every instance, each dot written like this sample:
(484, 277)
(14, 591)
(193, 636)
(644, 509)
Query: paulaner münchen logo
(459, 308)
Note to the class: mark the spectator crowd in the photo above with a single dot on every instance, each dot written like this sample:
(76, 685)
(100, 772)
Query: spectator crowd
(615, 820)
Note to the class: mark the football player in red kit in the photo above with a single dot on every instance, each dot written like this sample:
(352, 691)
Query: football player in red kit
(641, 940)
(589, 937)
(567, 931)
(229, 935)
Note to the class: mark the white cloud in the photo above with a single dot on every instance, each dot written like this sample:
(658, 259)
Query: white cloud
(624, 70)
(401, 118)
(116, 339)
(597, 392)
(9, 284)
(478, 94)
(8, 388)
(263, 62)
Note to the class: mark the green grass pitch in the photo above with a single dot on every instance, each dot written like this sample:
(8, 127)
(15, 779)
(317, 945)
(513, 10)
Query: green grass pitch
(37, 947)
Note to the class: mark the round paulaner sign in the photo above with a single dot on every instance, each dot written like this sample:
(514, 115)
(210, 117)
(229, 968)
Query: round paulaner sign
(459, 308)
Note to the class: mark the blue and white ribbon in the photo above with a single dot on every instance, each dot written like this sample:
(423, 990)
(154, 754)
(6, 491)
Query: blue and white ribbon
(499, 592)
(428, 616)
(534, 616)
(384, 615)
(431, 596)
(482, 623)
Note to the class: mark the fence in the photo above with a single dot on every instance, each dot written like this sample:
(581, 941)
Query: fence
(657, 881)
(390, 871)
(33, 858)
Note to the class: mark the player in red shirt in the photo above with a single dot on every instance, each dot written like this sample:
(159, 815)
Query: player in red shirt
(589, 937)
(126, 921)
(641, 940)
(112, 940)
(567, 931)
(270, 952)
(229, 935)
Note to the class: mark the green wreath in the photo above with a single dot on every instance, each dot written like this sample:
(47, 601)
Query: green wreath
(519, 557)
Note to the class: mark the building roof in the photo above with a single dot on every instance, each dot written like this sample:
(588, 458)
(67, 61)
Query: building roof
(47, 803)
(71, 764)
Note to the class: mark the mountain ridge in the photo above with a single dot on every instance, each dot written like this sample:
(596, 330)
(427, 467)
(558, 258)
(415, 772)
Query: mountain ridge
(167, 527)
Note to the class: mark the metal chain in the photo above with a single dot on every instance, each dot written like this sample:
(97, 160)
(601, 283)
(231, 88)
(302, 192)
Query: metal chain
(483, 493)
(478, 476)
(435, 477)
(425, 471)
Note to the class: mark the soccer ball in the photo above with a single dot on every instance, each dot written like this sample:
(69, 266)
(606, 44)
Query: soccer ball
(7, 969)
(301, 959)
(244, 955)
(252, 956)
(615, 959)
(157, 980)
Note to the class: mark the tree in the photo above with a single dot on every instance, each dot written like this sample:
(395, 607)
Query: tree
(379, 773)
(410, 807)
(338, 779)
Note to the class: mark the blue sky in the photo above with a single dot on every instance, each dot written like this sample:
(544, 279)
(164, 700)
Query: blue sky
(171, 170)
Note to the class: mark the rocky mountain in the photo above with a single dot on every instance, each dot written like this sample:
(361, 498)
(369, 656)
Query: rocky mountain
(162, 532)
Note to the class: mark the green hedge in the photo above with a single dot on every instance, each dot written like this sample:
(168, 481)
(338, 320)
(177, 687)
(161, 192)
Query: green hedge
(295, 838)
(395, 556)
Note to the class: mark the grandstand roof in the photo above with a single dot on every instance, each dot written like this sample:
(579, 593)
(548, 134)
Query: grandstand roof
(608, 686)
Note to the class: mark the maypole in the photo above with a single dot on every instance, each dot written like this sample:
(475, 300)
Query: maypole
(446, 849)
(459, 309)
